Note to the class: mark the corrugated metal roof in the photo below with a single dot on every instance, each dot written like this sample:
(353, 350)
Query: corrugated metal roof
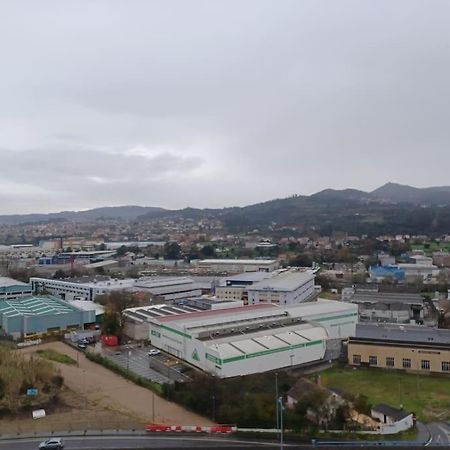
(238, 261)
(285, 281)
(313, 334)
(222, 313)
(248, 346)
(321, 306)
(227, 351)
(236, 346)
(405, 333)
(386, 297)
(270, 342)
(248, 276)
(292, 338)
(32, 306)
(6, 282)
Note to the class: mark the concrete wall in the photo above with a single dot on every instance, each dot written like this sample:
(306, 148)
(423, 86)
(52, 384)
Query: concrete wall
(390, 426)
(136, 331)
(338, 326)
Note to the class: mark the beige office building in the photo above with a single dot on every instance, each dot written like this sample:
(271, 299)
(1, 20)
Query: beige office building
(401, 347)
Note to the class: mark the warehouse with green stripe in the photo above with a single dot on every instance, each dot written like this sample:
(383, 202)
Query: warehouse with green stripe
(250, 339)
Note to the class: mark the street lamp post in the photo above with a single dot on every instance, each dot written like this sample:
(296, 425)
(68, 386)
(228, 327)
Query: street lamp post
(280, 401)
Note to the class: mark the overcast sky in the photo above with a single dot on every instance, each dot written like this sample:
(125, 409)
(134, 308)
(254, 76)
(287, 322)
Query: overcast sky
(218, 103)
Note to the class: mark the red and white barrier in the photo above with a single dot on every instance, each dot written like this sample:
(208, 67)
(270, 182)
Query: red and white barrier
(160, 428)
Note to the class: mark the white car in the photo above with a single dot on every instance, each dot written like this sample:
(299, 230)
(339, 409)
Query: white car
(153, 352)
(52, 444)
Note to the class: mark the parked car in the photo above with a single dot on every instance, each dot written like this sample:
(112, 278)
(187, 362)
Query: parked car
(52, 444)
(81, 345)
(153, 352)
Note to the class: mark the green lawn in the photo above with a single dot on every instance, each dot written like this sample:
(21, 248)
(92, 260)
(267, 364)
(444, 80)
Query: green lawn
(426, 395)
(53, 355)
(432, 247)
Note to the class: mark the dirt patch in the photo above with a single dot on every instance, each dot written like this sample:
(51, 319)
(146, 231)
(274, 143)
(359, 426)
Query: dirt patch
(73, 412)
(102, 399)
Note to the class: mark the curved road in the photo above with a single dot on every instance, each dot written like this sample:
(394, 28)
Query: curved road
(142, 442)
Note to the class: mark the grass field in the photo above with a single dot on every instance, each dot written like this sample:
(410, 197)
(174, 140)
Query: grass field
(53, 355)
(432, 247)
(426, 395)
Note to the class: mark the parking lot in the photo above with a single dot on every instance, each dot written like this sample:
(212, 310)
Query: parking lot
(160, 368)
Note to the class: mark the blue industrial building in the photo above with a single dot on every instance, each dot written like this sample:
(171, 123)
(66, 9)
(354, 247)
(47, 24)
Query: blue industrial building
(379, 273)
(35, 316)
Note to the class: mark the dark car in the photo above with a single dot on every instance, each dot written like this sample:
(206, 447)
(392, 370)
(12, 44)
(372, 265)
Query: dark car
(52, 444)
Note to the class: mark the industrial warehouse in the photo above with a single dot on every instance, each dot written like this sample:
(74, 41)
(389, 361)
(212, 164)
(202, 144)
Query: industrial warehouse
(11, 289)
(36, 316)
(252, 339)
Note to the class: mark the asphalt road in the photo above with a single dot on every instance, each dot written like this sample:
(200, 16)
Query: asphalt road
(440, 432)
(141, 442)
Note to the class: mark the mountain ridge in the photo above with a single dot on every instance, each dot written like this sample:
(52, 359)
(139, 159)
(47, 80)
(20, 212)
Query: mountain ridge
(289, 209)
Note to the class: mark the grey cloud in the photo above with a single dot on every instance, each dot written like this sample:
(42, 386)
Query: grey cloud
(203, 103)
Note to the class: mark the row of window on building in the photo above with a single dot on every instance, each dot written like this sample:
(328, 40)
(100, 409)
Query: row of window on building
(425, 364)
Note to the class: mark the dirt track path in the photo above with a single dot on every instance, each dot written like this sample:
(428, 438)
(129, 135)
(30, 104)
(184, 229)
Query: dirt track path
(111, 391)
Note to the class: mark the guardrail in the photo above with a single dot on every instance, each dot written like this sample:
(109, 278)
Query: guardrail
(159, 428)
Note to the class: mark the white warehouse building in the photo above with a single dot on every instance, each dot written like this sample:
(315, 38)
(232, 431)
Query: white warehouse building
(83, 288)
(285, 288)
(239, 265)
(254, 338)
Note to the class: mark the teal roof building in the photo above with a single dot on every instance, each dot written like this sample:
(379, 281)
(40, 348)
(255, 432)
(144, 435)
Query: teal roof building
(11, 289)
(37, 315)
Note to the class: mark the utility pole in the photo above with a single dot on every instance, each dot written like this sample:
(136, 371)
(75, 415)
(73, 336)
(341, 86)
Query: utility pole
(280, 400)
(84, 389)
(417, 379)
(153, 407)
(276, 401)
